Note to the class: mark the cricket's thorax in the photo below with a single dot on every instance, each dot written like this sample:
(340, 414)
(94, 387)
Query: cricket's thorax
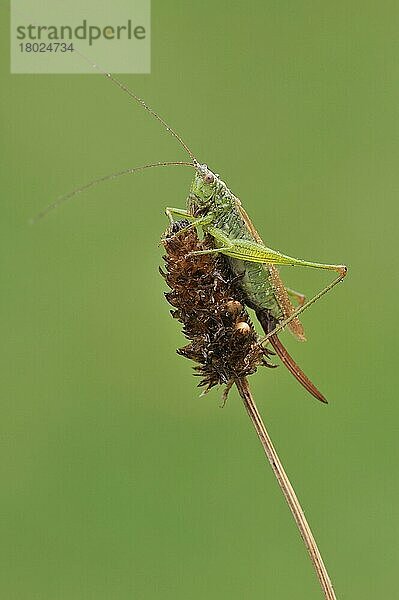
(209, 195)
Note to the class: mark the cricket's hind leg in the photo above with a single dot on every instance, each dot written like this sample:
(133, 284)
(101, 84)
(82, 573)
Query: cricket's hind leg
(342, 270)
(298, 297)
(258, 253)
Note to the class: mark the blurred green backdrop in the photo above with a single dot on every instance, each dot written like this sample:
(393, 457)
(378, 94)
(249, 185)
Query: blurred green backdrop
(117, 480)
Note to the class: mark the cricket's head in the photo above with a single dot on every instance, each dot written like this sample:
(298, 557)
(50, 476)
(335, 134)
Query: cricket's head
(207, 187)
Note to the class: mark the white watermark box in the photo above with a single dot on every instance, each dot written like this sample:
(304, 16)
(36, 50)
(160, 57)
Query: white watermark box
(71, 36)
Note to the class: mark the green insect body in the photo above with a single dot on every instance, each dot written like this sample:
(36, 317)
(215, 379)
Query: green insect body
(215, 200)
(214, 208)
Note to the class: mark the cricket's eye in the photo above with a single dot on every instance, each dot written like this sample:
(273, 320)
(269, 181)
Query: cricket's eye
(209, 177)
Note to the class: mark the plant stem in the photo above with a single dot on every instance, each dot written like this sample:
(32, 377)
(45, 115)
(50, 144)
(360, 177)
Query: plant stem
(287, 489)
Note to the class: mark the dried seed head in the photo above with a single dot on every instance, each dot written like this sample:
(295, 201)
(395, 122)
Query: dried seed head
(242, 327)
(234, 307)
(207, 301)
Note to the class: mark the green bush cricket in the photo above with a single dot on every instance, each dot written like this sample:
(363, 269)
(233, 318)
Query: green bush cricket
(212, 207)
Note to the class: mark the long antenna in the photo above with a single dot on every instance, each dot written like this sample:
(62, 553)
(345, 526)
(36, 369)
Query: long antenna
(137, 99)
(94, 182)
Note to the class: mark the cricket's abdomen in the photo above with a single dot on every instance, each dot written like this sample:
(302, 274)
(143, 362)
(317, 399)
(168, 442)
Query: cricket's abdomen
(255, 279)
(256, 285)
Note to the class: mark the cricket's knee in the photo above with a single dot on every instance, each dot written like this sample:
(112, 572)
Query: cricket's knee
(340, 269)
(169, 214)
(182, 212)
(299, 298)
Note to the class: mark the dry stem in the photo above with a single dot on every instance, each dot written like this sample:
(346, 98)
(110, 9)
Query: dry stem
(287, 489)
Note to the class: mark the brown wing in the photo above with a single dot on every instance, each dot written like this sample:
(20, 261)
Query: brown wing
(281, 294)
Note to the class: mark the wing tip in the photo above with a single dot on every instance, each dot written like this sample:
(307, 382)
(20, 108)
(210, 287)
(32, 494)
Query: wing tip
(296, 371)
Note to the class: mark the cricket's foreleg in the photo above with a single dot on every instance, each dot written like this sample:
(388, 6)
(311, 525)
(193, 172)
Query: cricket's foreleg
(181, 212)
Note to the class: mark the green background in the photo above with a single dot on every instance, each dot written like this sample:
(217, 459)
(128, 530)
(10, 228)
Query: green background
(117, 481)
